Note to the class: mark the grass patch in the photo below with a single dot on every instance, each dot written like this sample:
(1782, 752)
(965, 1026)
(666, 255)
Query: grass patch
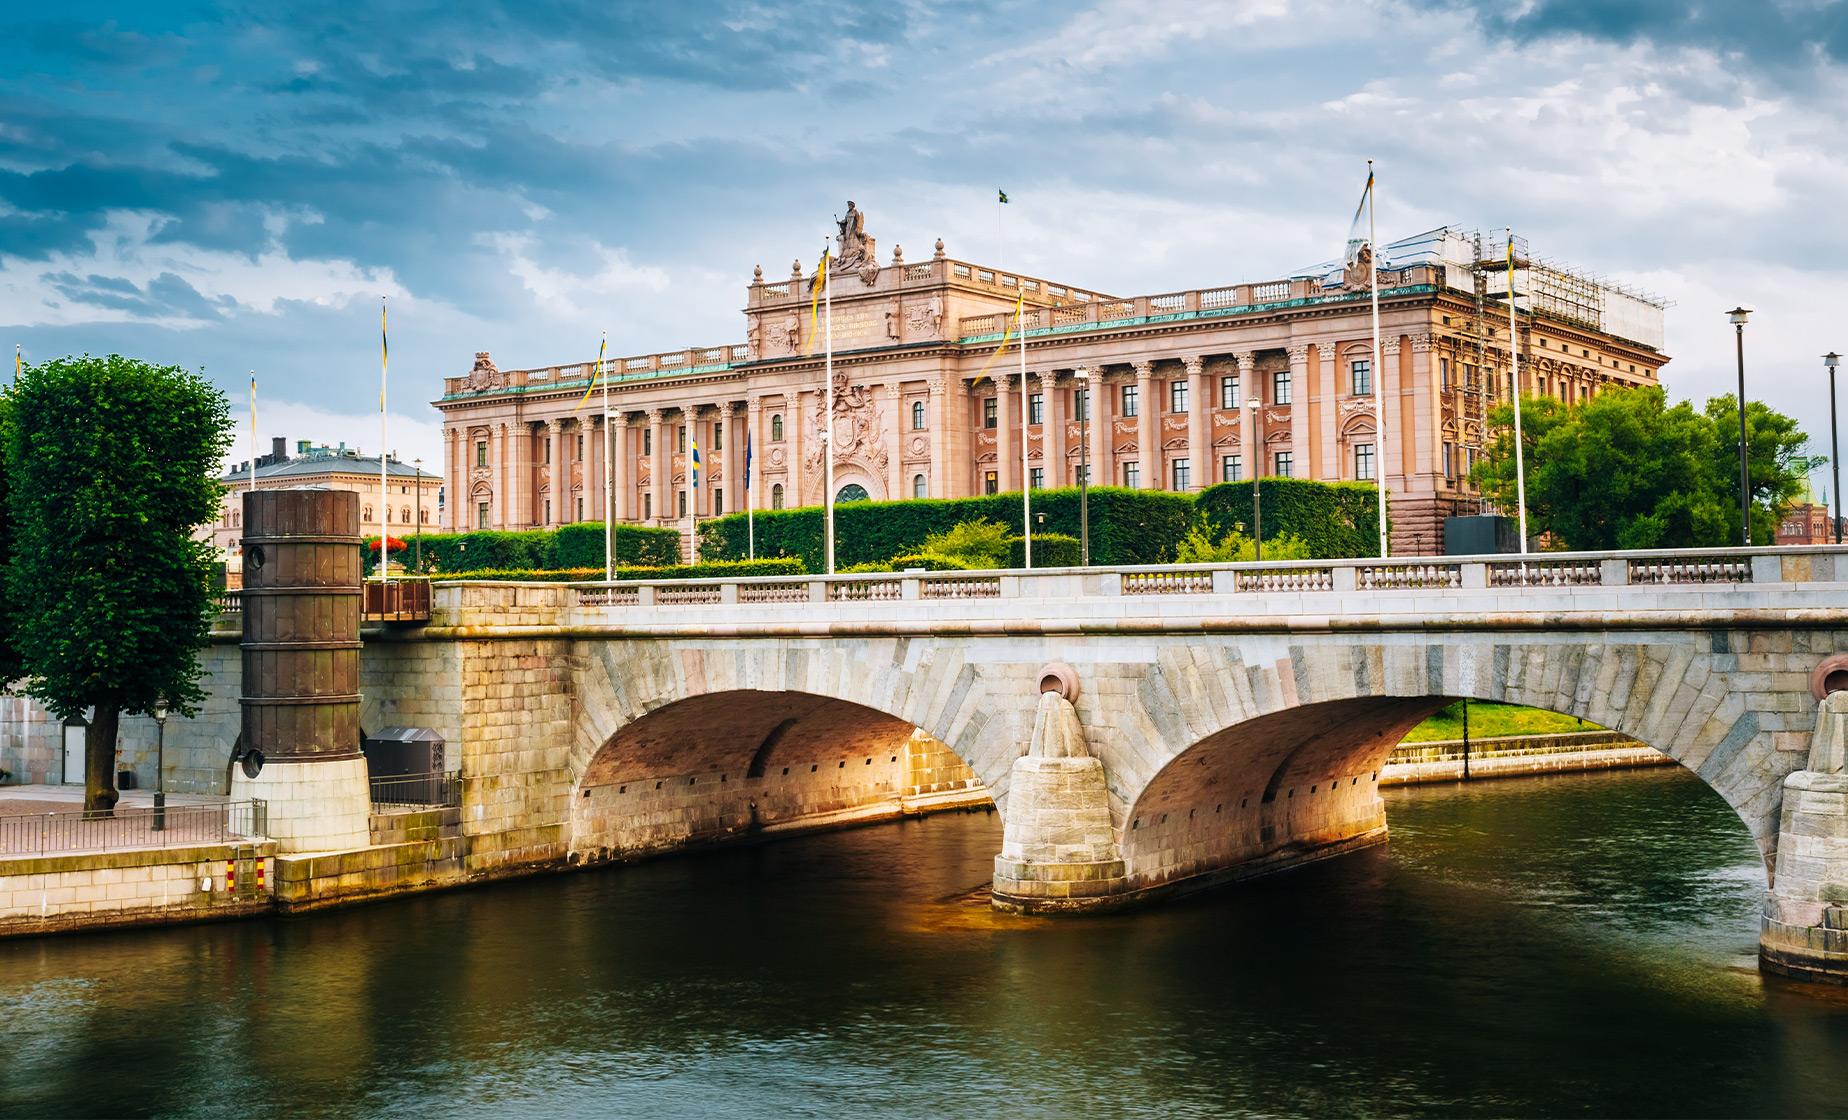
(1489, 720)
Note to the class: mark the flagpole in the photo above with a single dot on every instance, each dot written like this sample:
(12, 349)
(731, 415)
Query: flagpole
(750, 488)
(1026, 473)
(1514, 358)
(253, 429)
(609, 461)
(827, 408)
(1379, 374)
(384, 489)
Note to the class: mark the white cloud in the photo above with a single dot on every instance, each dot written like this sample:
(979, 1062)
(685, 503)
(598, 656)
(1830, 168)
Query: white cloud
(412, 436)
(574, 295)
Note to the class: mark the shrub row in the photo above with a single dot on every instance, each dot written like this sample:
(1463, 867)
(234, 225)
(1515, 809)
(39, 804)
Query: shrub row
(578, 545)
(1335, 519)
(1127, 526)
(720, 569)
(1050, 550)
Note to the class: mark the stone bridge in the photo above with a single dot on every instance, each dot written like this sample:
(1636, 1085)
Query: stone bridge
(1140, 731)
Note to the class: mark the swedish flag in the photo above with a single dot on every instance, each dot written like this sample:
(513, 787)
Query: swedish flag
(695, 462)
(1003, 195)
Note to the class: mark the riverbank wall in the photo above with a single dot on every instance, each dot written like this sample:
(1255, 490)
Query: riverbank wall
(1516, 756)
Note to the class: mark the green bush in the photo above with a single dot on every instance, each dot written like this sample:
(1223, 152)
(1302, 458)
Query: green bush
(1127, 526)
(929, 561)
(1050, 550)
(1334, 519)
(722, 569)
(580, 545)
(1235, 547)
(486, 548)
(976, 543)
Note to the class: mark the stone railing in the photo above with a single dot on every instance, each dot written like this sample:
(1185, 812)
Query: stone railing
(1101, 311)
(700, 359)
(931, 271)
(1438, 583)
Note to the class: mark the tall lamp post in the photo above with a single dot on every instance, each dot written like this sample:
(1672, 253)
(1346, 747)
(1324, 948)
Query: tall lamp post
(1252, 404)
(1829, 362)
(417, 484)
(1083, 377)
(160, 764)
(1738, 316)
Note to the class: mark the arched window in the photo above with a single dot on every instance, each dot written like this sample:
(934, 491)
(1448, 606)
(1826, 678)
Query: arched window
(776, 428)
(917, 486)
(776, 492)
(917, 416)
(366, 514)
(237, 518)
(404, 515)
(852, 492)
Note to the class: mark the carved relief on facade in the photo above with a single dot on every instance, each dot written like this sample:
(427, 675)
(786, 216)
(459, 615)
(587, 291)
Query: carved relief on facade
(781, 336)
(1278, 415)
(857, 426)
(777, 456)
(484, 376)
(577, 476)
(920, 445)
(1357, 406)
(925, 320)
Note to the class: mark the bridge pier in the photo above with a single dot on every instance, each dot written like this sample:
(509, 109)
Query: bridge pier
(1805, 929)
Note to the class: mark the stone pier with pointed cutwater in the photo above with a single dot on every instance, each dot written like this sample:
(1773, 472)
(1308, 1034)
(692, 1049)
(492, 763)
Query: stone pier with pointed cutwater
(1805, 930)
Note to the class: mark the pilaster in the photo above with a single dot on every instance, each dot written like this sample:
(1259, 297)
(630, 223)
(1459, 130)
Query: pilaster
(1250, 447)
(1052, 438)
(1148, 426)
(1199, 423)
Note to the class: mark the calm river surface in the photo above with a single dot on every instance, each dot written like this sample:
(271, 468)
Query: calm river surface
(1558, 946)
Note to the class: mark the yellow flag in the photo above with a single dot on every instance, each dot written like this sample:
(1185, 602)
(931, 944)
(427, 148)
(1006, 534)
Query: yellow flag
(821, 281)
(384, 357)
(593, 380)
(1020, 307)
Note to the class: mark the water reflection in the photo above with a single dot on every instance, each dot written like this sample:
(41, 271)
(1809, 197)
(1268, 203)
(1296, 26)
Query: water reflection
(1553, 946)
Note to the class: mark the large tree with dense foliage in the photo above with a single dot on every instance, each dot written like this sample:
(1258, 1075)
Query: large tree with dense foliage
(111, 464)
(1628, 470)
(9, 649)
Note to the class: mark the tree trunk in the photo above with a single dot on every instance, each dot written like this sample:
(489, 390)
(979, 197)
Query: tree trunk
(99, 763)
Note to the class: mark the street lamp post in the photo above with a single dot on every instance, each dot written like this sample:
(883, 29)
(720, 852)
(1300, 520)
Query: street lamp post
(1083, 377)
(417, 484)
(160, 765)
(1829, 362)
(1738, 316)
(1252, 404)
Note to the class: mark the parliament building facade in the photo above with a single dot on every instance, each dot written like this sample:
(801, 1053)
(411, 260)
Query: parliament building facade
(923, 407)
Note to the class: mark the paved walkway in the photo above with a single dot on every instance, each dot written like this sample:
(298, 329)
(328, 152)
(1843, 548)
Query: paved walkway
(44, 819)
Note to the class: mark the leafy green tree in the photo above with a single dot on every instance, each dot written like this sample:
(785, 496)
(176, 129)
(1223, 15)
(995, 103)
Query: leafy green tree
(1622, 470)
(9, 654)
(977, 543)
(1775, 461)
(1199, 547)
(111, 463)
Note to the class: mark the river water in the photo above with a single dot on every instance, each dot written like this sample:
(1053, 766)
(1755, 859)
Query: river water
(1559, 946)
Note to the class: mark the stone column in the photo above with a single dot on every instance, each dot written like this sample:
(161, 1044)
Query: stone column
(616, 466)
(1386, 436)
(1199, 424)
(1148, 426)
(1058, 851)
(596, 439)
(660, 465)
(733, 475)
(453, 468)
(503, 475)
(936, 414)
(1007, 427)
(795, 433)
(1103, 471)
(1052, 438)
(1326, 431)
(1250, 447)
(520, 433)
(1299, 411)
(558, 477)
(754, 431)
(896, 427)
(1805, 929)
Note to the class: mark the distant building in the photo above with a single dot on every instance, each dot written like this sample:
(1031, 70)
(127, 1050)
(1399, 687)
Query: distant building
(922, 408)
(414, 497)
(1806, 523)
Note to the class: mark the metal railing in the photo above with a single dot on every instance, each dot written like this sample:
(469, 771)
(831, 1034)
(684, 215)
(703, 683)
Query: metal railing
(1791, 568)
(1511, 746)
(438, 788)
(400, 600)
(182, 825)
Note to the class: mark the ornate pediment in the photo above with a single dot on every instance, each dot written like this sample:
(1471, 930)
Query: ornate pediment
(484, 376)
(856, 427)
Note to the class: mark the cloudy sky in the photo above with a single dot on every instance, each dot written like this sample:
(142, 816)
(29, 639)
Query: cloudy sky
(233, 185)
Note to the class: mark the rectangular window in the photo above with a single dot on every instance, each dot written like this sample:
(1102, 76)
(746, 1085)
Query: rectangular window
(1083, 471)
(648, 441)
(991, 483)
(1036, 478)
(1280, 387)
(548, 452)
(481, 453)
(1130, 395)
(1361, 376)
(718, 437)
(548, 512)
(1132, 475)
(1363, 461)
(1228, 392)
(989, 412)
(1036, 408)
(648, 506)
(1450, 460)
(1183, 475)
(481, 515)
(1081, 404)
(1443, 372)
(1177, 396)
(1230, 469)
(580, 447)
(580, 509)
(1285, 465)
(718, 501)
(680, 439)
(683, 502)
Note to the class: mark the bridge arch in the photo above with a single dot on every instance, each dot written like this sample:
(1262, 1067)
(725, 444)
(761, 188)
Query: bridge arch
(1292, 774)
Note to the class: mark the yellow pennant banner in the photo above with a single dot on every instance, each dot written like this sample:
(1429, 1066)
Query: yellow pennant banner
(821, 282)
(593, 379)
(1020, 305)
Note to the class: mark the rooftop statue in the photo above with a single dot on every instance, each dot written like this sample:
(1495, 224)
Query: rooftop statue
(857, 251)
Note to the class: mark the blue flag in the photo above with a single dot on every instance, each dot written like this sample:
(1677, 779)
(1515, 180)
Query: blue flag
(747, 460)
(696, 463)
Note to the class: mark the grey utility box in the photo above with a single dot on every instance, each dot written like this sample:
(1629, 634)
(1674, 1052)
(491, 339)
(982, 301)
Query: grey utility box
(405, 764)
(1480, 536)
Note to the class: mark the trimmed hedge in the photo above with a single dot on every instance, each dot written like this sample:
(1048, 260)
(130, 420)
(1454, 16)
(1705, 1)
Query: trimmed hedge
(1127, 526)
(578, 545)
(1050, 550)
(1336, 519)
(714, 570)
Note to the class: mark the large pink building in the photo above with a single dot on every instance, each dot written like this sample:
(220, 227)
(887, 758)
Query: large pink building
(922, 408)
